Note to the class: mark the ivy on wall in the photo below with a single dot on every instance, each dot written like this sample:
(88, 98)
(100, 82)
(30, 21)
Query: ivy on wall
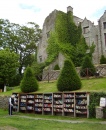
(67, 39)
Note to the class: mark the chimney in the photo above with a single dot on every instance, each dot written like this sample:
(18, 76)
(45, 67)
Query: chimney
(69, 9)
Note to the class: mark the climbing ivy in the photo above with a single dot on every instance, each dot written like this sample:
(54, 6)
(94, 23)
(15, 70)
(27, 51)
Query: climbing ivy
(67, 39)
(52, 49)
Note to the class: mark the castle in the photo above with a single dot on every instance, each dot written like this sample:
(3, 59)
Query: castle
(92, 33)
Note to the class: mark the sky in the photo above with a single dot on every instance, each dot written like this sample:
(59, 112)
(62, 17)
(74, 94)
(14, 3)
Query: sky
(23, 11)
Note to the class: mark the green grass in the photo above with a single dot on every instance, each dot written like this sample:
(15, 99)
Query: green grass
(90, 85)
(32, 123)
(98, 85)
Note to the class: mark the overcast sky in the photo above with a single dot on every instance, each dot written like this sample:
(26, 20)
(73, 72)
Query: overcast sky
(23, 11)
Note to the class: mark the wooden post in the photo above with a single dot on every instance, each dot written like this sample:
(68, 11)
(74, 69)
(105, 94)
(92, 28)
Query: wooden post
(48, 77)
(87, 73)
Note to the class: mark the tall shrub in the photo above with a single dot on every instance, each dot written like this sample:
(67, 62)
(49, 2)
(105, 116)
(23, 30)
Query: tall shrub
(29, 82)
(56, 67)
(68, 79)
(102, 60)
(87, 68)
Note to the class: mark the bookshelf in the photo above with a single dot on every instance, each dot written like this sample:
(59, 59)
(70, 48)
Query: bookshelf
(30, 103)
(48, 103)
(73, 104)
(16, 102)
(81, 104)
(57, 104)
(22, 102)
(69, 104)
(38, 103)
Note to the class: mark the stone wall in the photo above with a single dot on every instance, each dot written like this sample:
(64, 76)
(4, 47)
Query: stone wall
(53, 74)
(4, 102)
(99, 112)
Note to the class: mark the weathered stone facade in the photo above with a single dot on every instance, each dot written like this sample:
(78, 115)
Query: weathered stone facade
(48, 25)
(92, 33)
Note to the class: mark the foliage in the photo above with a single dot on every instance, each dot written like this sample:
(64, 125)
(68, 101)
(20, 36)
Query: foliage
(29, 82)
(94, 101)
(79, 52)
(91, 49)
(56, 67)
(102, 59)
(16, 80)
(87, 68)
(74, 32)
(67, 39)
(8, 66)
(52, 49)
(38, 69)
(68, 79)
(20, 39)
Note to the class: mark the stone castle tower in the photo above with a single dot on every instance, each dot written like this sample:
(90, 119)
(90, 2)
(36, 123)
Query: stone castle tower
(92, 33)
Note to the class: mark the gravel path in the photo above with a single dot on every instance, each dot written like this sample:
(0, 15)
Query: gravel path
(58, 120)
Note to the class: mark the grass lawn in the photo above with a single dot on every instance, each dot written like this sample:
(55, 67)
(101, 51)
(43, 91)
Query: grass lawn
(31, 123)
(18, 122)
(90, 85)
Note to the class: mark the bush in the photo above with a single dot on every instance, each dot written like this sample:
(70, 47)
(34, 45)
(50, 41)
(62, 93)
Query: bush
(102, 60)
(94, 101)
(29, 82)
(87, 68)
(56, 67)
(37, 68)
(68, 79)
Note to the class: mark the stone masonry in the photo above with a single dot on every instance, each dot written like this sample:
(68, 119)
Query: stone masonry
(53, 74)
(92, 33)
(4, 102)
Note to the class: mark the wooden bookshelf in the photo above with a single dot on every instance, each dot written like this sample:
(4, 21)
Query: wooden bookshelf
(30, 103)
(16, 102)
(48, 103)
(81, 104)
(69, 104)
(73, 104)
(57, 104)
(22, 102)
(38, 103)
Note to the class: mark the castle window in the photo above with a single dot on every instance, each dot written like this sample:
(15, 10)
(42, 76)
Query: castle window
(40, 58)
(85, 29)
(105, 38)
(104, 24)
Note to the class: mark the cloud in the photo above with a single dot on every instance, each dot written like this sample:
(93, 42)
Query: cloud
(23, 11)
(29, 7)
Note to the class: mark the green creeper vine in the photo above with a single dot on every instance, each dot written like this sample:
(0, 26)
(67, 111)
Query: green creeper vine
(66, 39)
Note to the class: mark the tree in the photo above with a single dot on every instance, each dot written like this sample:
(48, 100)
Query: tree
(21, 39)
(102, 60)
(29, 82)
(8, 66)
(87, 68)
(79, 52)
(68, 79)
(56, 67)
(38, 69)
